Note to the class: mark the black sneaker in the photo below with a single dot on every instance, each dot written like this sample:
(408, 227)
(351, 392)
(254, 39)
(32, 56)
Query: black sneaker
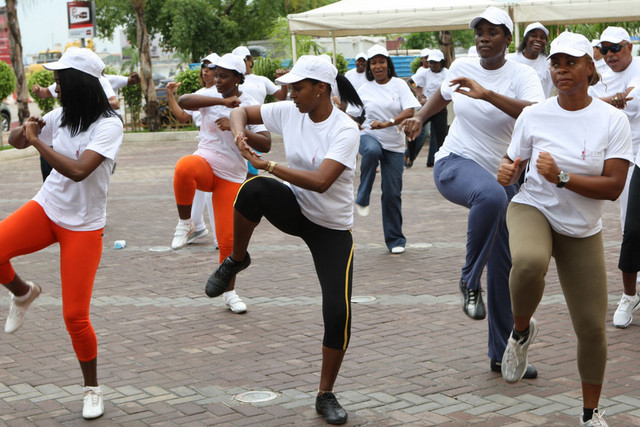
(327, 405)
(472, 303)
(530, 373)
(219, 280)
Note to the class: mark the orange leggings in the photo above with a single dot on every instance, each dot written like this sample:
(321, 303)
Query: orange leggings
(194, 173)
(29, 230)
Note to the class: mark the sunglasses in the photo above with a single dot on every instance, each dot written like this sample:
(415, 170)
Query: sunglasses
(614, 48)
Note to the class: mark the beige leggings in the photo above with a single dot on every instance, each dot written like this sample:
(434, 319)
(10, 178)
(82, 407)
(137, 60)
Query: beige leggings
(581, 269)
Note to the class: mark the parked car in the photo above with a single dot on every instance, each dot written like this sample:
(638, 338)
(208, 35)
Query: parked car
(6, 117)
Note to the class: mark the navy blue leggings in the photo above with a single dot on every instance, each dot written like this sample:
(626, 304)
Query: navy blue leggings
(332, 250)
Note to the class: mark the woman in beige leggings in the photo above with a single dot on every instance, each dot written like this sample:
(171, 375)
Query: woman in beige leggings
(578, 149)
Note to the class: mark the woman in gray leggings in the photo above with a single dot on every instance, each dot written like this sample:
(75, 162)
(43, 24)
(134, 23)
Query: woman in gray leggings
(578, 149)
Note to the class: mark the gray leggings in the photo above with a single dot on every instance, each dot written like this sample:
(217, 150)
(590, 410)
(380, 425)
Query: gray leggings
(582, 273)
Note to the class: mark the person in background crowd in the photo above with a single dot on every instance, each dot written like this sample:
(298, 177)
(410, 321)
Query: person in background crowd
(315, 203)
(577, 149)
(488, 94)
(532, 52)
(387, 102)
(358, 76)
(598, 59)
(80, 141)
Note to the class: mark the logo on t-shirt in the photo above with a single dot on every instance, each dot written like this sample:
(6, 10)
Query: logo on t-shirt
(589, 154)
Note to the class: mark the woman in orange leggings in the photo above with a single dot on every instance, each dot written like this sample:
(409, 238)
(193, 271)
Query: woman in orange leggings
(217, 166)
(80, 141)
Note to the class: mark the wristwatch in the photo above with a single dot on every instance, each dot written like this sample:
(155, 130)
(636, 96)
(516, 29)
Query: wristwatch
(392, 121)
(563, 178)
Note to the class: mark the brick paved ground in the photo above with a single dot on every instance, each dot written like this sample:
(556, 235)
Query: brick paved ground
(168, 355)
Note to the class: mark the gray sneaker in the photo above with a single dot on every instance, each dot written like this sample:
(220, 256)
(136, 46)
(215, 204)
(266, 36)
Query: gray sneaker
(18, 309)
(197, 235)
(514, 359)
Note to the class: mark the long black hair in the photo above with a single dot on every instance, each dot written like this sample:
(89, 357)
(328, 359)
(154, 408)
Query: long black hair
(83, 100)
(391, 70)
(348, 93)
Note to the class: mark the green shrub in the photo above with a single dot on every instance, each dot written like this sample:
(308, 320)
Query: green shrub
(44, 78)
(266, 67)
(341, 63)
(7, 80)
(190, 81)
(133, 100)
(415, 64)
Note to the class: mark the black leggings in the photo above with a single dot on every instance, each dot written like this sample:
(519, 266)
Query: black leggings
(332, 250)
(630, 250)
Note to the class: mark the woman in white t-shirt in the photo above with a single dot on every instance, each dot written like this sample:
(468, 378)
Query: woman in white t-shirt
(577, 149)
(217, 165)
(489, 92)
(315, 203)
(532, 52)
(80, 141)
(387, 101)
(201, 198)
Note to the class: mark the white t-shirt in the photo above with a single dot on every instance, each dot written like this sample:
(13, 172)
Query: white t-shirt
(106, 86)
(612, 82)
(116, 81)
(601, 66)
(418, 76)
(541, 65)
(258, 87)
(79, 206)
(429, 81)
(579, 142)
(306, 145)
(480, 131)
(204, 91)
(382, 102)
(218, 147)
(357, 79)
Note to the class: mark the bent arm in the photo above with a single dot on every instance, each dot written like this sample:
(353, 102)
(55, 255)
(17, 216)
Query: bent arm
(194, 102)
(607, 186)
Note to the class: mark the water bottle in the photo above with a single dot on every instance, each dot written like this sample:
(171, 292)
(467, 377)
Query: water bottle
(120, 244)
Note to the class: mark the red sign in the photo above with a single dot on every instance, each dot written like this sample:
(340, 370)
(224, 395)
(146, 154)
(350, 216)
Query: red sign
(80, 17)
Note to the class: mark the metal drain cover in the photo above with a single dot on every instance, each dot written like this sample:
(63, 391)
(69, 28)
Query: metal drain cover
(363, 298)
(160, 249)
(255, 396)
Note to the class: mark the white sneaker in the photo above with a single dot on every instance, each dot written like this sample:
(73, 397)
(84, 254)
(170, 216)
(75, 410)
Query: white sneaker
(362, 210)
(596, 421)
(397, 250)
(197, 235)
(514, 359)
(623, 315)
(182, 234)
(19, 306)
(93, 406)
(234, 303)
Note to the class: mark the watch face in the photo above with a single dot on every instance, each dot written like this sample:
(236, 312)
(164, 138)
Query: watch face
(563, 177)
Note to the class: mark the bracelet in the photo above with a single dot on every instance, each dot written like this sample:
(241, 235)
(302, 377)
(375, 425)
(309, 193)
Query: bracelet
(271, 165)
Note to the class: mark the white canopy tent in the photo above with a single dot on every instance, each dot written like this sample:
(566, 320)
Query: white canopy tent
(362, 17)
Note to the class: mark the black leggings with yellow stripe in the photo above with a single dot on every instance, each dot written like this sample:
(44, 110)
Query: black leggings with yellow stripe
(332, 250)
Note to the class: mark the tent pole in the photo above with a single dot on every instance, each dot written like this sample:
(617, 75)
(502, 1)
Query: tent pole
(333, 40)
(294, 50)
(517, 34)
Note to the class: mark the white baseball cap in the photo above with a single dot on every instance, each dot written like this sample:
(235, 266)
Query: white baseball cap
(376, 49)
(495, 16)
(536, 26)
(241, 51)
(78, 58)
(436, 55)
(229, 61)
(615, 35)
(572, 44)
(361, 55)
(425, 52)
(310, 67)
(212, 58)
(595, 42)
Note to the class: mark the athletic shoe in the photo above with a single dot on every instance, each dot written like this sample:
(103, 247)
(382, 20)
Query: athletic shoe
(234, 303)
(182, 234)
(19, 306)
(362, 210)
(397, 250)
(530, 373)
(515, 358)
(623, 315)
(220, 279)
(197, 235)
(93, 406)
(472, 303)
(327, 405)
(596, 421)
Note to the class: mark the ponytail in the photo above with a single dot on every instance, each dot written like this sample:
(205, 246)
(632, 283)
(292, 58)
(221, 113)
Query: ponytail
(348, 93)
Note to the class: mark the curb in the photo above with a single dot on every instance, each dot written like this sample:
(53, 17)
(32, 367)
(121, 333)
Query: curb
(14, 154)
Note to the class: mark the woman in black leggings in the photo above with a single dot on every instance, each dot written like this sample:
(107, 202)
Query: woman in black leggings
(321, 145)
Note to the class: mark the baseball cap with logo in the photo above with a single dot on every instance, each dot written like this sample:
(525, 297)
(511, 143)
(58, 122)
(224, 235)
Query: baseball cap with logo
(78, 58)
(310, 67)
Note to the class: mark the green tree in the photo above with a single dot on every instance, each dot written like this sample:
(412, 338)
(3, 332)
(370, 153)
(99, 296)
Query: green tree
(282, 39)
(7, 86)
(190, 81)
(133, 101)
(44, 78)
